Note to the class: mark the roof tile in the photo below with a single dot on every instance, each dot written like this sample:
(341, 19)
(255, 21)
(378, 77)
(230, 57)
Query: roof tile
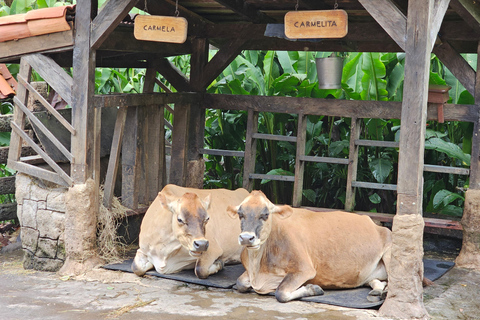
(8, 84)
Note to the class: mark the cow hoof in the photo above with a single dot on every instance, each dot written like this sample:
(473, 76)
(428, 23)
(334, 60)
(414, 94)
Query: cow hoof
(314, 290)
(377, 295)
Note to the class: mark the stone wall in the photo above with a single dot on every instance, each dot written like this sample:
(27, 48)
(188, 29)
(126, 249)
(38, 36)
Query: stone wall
(41, 212)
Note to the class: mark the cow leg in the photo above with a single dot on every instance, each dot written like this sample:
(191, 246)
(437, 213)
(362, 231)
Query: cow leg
(209, 263)
(243, 283)
(291, 288)
(140, 264)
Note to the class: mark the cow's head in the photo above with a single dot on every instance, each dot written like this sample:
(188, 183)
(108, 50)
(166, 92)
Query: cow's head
(256, 214)
(189, 219)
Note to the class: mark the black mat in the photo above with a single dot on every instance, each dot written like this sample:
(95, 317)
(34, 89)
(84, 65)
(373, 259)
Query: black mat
(351, 298)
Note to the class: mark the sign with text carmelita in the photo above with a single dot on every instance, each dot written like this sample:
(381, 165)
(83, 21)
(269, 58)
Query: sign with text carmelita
(316, 24)
(160, 28)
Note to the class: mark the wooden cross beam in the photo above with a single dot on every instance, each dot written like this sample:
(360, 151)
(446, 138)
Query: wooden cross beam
(246, 10)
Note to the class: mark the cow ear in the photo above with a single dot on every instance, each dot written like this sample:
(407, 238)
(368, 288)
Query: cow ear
(206, 201)
(283, 212)
(232, 211)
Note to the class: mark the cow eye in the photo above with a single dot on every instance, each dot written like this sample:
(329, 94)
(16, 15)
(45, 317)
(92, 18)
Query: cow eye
(180, 221)
(206, 219)
(240, 215)
(264, 217)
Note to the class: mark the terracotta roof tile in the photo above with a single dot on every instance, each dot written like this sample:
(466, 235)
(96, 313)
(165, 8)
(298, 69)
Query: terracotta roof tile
(35, 22)
(8, 84)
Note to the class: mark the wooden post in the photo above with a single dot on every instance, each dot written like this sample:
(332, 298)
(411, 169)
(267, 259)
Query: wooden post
(405, 293)
(355, 129)
(299, 164)
(250, 149)
(469, 256)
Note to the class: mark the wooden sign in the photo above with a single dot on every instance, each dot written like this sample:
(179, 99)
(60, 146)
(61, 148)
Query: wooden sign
(316, 24)
(160, 28)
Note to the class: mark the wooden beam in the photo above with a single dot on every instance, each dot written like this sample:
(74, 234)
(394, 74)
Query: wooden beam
(246, 10)
(475, 158)
(387, 14)
(108, 19)
(167, 8)
(178, 165)
(457, 65)
(143, 99)
(51, 72)
(469, 11)
(173, 75)
(130, 159)
(220, 61)
(439, 10)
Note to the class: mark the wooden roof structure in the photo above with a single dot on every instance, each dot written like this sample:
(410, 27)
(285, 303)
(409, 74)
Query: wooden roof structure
(103, 38)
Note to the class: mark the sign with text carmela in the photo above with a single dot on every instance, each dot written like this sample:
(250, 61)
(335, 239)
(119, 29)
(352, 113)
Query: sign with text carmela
(160, 28)
(316, 24)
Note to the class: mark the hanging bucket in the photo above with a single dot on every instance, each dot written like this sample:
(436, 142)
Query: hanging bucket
(329, 72)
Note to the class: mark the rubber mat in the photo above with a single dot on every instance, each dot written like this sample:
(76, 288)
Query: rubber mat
(350, 298)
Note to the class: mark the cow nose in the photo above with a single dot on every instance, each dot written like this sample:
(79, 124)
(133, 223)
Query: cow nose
(200, 245)
(246, 238)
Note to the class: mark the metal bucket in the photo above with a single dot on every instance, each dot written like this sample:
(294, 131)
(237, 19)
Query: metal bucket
(329, 72)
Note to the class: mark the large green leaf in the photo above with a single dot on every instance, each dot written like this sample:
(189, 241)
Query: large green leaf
(380, 168)
(4, 139)
(451, 149)
(280, 172)
(444, 198)
(286, 62)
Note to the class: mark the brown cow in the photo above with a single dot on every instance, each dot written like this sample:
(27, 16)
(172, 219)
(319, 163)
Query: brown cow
(297, 252)
(175, 235)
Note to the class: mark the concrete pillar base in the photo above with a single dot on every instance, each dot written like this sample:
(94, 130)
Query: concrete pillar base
(469, 256)
(405, 275)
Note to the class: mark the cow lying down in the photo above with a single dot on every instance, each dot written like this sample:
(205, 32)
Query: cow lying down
(186, 228)
(297, 252)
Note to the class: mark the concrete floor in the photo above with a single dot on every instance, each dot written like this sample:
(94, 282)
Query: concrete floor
(103, 294)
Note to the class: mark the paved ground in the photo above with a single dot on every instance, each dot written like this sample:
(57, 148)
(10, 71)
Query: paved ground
(103, 294)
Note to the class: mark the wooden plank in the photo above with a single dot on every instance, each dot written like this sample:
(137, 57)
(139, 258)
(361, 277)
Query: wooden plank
(246, 10)
(173, 75)
(47, 105)
(114, 159)
(250, 149)
(44, 130)
(160, 28)
(414, 109)
(274, 177)
(43, 154)
(226, 153)
(469, 11)
(111, 14)
(38, 172)
(445, 169)
(457, 65)
(371, 185)
(51, 72)
(130, 159)
(439, 10)
(221, 60)
(142, 99)
(178, 165)
(376, 143)
(59, 41)
(331, 107)
(7, 185)
(18, 115)
(299, 163)
(355, 131)
(429, 222)
(8, 211)
(389, 16)
(324, 159)
(274, 137)
(316, 24)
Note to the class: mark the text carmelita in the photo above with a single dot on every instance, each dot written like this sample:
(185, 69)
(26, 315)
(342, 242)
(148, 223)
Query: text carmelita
(315, 24)
(159, 28)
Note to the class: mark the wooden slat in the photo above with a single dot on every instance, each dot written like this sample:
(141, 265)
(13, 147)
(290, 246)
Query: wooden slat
(46, 157)
(325, 159)
(114, 159)
(444, 169)
(173, 75)
(371, 185)
(178, 167)
(219, 152)
(259, 176)
(130, 160)
(250, 149)
(274, 137)
(376, 143)
(108, 19)
(44, 130)
(142, 99)
(469, 11)
(51, 72)
(299, 163)
(38, 172)
(246, 10)
(47, 105)
(475, 157)
(429, 222)
(440, 7)
(355, 131)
